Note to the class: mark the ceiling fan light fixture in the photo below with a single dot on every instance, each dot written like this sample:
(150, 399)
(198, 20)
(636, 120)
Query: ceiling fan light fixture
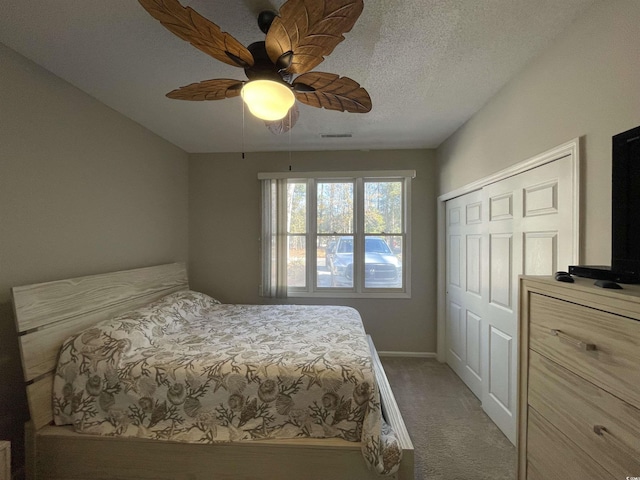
(267, 99)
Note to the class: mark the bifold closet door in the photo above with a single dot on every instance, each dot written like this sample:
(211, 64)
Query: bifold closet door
(465, 304)
(520, 225)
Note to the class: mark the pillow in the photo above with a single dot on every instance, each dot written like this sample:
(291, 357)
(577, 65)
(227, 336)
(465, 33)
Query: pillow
(141, 327)
(168, 314)
(187, 304)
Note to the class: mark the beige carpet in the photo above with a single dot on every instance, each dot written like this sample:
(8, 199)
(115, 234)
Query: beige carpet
(453, 438)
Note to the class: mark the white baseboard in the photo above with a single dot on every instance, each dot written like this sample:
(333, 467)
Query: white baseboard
(408, 354)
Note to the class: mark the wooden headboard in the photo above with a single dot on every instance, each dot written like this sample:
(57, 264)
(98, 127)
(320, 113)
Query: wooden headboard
(49, 313)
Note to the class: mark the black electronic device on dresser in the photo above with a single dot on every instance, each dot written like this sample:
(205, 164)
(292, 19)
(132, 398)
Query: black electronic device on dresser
(625, 210)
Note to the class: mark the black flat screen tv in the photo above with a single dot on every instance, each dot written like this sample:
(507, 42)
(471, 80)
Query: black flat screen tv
(625, 221)
(625, 214)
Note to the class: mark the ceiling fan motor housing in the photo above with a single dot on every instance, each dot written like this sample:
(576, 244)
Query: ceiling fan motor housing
(263, 68)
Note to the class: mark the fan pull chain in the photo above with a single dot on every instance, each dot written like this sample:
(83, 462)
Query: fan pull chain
(290, 138)
(242, 130)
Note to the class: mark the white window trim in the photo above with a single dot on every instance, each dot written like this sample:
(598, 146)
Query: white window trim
(388, 174)
(312, 290)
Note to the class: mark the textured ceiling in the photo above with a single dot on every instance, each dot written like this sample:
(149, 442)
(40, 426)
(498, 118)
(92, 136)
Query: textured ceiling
(428, 65)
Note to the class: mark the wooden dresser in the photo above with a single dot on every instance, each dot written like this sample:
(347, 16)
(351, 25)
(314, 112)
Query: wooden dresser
(579, 381)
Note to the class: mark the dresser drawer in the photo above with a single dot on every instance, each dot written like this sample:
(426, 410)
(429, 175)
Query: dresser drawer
(604, 426)
(552, 456)
(601, 347)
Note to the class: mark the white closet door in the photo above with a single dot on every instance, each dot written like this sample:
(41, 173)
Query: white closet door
(526, 227)
(465, 305)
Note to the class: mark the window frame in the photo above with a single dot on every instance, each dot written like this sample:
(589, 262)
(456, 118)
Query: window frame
(311, 290)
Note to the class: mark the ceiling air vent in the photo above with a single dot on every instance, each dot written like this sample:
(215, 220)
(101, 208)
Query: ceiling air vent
(336, 135)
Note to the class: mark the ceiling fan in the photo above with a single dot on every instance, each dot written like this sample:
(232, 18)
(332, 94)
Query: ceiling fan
(298, 38)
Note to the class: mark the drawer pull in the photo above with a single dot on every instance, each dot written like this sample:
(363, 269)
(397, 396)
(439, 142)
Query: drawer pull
(602, 431)
(573, 341)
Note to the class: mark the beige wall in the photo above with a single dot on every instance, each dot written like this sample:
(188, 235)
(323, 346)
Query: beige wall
(586, 85)
(83, 190)
(224, 227)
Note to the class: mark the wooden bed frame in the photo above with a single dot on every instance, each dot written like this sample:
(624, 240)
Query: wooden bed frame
(48, 313)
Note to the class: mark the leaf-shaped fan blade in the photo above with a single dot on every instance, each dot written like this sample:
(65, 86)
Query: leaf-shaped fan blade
(278, 127)
(330, 91)
(216, 89)
(310, 29)
(189, 25)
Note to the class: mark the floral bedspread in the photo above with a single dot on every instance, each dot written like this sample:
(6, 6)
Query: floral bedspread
(187, 368)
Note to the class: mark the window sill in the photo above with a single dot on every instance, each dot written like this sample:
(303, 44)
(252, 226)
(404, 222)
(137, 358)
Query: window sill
(397, 295)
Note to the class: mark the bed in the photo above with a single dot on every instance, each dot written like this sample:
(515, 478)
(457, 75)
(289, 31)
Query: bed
(49, 314)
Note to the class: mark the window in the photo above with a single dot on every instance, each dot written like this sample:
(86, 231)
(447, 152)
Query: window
(336, 234)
